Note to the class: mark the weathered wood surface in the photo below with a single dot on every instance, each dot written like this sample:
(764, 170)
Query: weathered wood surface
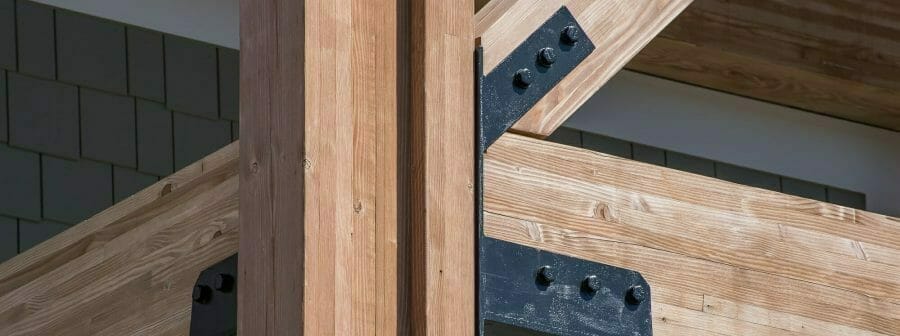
(130, 269)
(441, 159)
(618, 28)
(836, 57)
(721, 258)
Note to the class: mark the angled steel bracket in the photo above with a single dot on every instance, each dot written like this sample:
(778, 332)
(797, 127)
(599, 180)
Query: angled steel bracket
(522, 290)
(214, 308)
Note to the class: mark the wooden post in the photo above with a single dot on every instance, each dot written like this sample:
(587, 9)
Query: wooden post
(442, 153)
(319, 155)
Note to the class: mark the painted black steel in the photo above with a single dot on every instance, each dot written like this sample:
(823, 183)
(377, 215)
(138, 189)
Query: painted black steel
(514, 292)
(529, 72)
(526, 291)
(214, 311)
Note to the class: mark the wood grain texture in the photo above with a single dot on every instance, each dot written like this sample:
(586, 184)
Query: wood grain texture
(836, 57)
(320, 180)
(618, 28)
(130, 269)
(721, 258)
(442, 167)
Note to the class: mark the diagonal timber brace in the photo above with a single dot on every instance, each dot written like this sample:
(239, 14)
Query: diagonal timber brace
(522, 287)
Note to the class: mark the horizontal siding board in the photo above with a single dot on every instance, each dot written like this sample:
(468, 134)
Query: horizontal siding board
(146, 71)
(91, 52)
(691, 164)
(9, 237)
(33, 233)
(108, 128)
(197, 137)
(43, 115)
(75, 190)
(127, 182)
(229, 83)
(847, 198)
(7, 34)
(748, 177)
(191, 75)
(647, 154)
(803, 189)
(35, 38)
(20, 177)
(154, 138)
(605, 144)
(566, 136)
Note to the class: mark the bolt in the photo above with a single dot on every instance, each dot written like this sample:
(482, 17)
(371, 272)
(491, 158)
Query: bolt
(591, 284)
(637, 294)
(546, 275)
(523, 78)
(571, 35)
(546, 57)
(223, 282)
(201, 293)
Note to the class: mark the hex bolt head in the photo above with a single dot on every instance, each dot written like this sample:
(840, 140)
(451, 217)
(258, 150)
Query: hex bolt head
(547, 56)
(523, 78)
(223, 282)
(201, 294)
(591, 284)
(571, 35)
(637, 294)
(546, 275)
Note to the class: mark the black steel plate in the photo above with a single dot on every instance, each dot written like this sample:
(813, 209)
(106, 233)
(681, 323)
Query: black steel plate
(511, 294)
(217, 315)
(502, 102)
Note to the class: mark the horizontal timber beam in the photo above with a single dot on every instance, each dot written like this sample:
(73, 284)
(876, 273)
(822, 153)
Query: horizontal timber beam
(618, 28)
(721, 258)
(835, 57)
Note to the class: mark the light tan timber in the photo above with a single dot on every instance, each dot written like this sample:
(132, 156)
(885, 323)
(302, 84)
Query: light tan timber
(835, 57)
(319, 179)
(130, 269)
(761, 262)
(442, 162)
(618, 29)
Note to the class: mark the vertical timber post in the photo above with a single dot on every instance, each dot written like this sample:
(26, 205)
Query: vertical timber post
(442, 149)
(321, 235)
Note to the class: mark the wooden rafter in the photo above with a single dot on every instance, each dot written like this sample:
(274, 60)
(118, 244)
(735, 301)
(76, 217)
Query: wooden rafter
(839, 58)
(618, 28)
(720, 258)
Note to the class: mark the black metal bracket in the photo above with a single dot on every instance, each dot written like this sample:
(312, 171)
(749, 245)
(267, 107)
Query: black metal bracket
(214, 311)
(522, 290)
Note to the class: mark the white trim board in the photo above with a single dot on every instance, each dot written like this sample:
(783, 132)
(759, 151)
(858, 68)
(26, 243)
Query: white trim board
(750, 133)
(212, 21)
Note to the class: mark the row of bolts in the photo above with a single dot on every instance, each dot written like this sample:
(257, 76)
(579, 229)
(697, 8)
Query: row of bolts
(546, 57)
(546, 275)
(221, 282)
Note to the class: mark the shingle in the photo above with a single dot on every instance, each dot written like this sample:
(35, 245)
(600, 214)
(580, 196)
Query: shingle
(690, 164)
(647, 154)
(847, 198)
(803, 189)
(108, 128)
(4, 137)
(566, 136)
(7, 34)
(154, 134)
(191, 77)
(229, 83)
(146, 70)
(127, 182)
(91, 52)
(748, 177)
(235, 130)
(33, 233)
(9, 238)
(75, 190)
(20, 177)
(35, 36)
(605, 144)
(43, 115)
(197, 137)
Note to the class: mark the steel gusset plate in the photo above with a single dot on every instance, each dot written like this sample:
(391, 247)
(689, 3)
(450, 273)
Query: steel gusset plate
(504, 99)
(214, 308)
(583, 298)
